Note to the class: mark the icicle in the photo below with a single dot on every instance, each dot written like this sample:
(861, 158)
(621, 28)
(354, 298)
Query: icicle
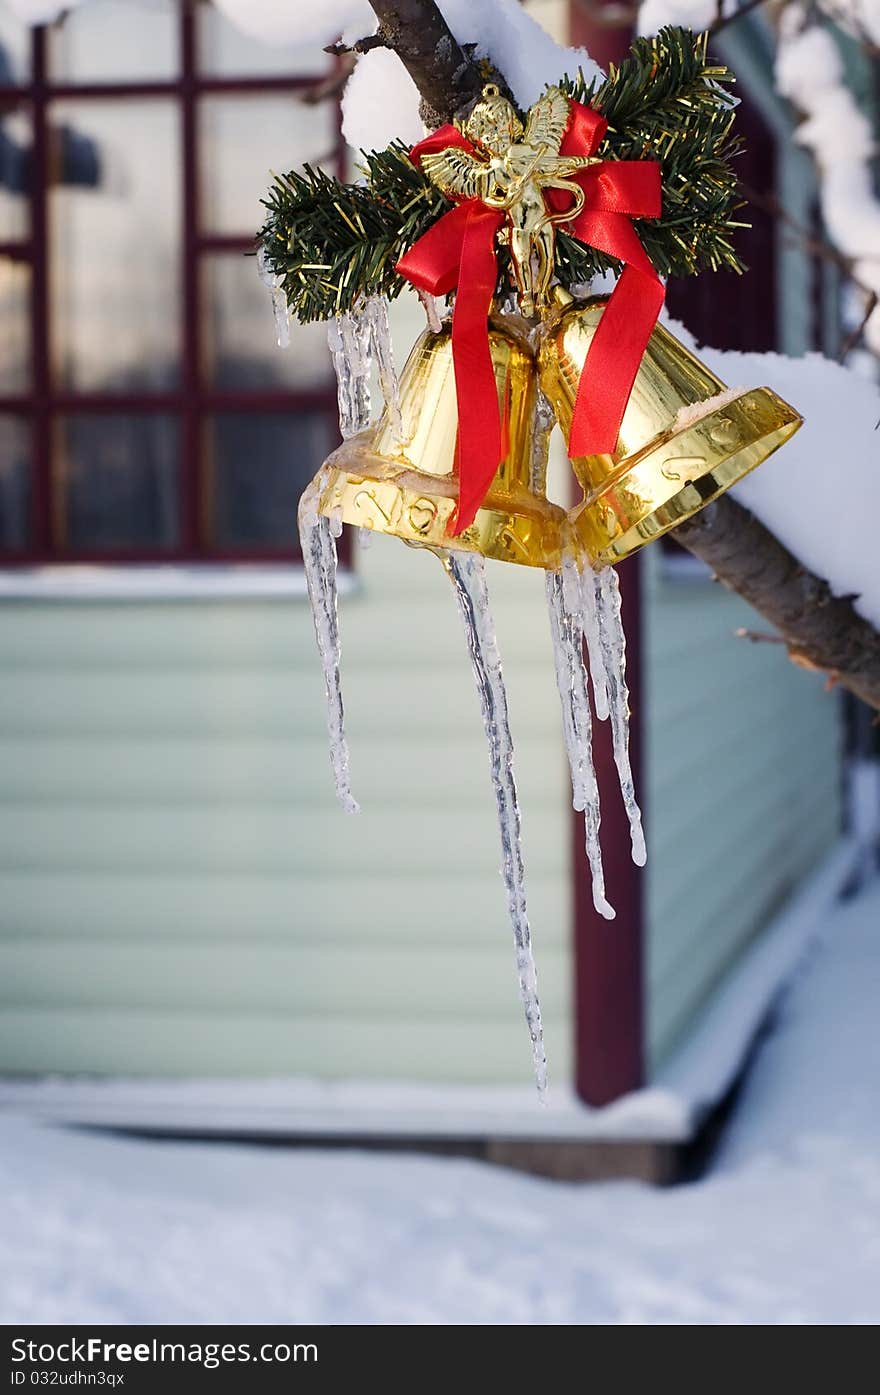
(590, 613)
(357, 339)
(280, 311)
(613, 646)
(376, 311)
(467, 573)
(429, 305)
(365, 537)
(349, 339)
(564, 605)
(543, 421)
(319, 561)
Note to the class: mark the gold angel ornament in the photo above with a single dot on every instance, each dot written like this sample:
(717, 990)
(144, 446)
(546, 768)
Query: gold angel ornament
(511, 171)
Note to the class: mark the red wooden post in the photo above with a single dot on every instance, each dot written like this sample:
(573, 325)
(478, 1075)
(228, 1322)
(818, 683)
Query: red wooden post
(609, 1007)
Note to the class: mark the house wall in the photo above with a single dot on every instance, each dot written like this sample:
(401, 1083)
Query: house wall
(742, 787)
(179, 892)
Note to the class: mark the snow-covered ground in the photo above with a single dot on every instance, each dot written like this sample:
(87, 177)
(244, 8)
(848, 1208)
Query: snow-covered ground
(785, 1229)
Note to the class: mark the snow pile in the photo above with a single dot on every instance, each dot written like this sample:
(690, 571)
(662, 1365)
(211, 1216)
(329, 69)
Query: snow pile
(860, 18)
(785, 1231)
(819, 494)
(40, 11)
(283, 22)
(381, 101)
(692, 14)
(810, 73)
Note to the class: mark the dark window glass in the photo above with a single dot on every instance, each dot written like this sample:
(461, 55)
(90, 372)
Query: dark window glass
(146, 411)
(116, 486)
(15, 173)
(259, 466)
(115, 237)
(14, 484)
(240, 345)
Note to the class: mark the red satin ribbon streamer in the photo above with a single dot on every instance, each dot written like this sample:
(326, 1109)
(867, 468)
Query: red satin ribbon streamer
(616, 191)
(459, 251)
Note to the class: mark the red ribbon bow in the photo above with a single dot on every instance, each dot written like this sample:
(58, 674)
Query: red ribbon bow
(459, 251)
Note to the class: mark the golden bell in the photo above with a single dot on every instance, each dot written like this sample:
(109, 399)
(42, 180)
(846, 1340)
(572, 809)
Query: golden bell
(681, 443)
(399, 477)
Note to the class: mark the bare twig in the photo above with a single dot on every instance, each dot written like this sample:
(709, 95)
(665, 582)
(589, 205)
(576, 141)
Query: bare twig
(758, 636)
(854, 338)
(365, 45)
(851, 24)
(822, 631)
(330, 87)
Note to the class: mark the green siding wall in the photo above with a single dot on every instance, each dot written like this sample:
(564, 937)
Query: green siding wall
(179, 892)
(742, 788)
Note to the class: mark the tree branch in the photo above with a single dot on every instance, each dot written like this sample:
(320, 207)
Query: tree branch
(447, 77)
(821, 631)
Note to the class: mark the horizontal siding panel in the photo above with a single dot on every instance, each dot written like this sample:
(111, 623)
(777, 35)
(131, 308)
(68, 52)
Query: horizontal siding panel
(325, 907)
(306, 981)
(292, 770)
(742, 792)
(435, 704)
(727, 792)
(683, 750)
(243, 838)
(787, 840)
(720, 900)
(394, 618)
(155, 1044)
(179, 891)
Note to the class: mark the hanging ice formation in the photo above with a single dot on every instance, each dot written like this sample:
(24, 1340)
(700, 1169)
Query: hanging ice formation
(612, 646)
(355, 339)
(280, 311)
(467, 573)
(584, 607)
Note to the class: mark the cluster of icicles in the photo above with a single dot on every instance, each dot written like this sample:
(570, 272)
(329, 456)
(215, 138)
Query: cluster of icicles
(584, 607)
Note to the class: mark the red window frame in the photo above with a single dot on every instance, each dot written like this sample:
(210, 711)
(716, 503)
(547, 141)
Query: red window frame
(194, 400)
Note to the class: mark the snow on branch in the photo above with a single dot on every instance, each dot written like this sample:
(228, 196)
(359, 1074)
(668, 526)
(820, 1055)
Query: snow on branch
(810, 73)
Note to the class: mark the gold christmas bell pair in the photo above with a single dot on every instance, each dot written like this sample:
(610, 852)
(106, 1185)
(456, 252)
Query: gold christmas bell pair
(684, 440)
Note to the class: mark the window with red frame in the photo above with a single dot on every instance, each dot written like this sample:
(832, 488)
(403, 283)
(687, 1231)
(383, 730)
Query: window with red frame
(146, 413)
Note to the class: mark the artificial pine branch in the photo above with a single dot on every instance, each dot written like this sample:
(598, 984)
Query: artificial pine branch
(668, 102)
(333, 242)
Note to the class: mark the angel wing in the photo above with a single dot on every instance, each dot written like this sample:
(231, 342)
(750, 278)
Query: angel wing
(547, 121)
(456, 172)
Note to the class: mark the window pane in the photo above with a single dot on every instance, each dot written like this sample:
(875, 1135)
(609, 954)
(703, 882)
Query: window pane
(242, 140)
(14, 484)
(14, 327)
(116, 483)
(258, 467)
(115, 41)
(15, 162)
(242, 351)
(225, 51)
(15, 49)
(115, 251)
